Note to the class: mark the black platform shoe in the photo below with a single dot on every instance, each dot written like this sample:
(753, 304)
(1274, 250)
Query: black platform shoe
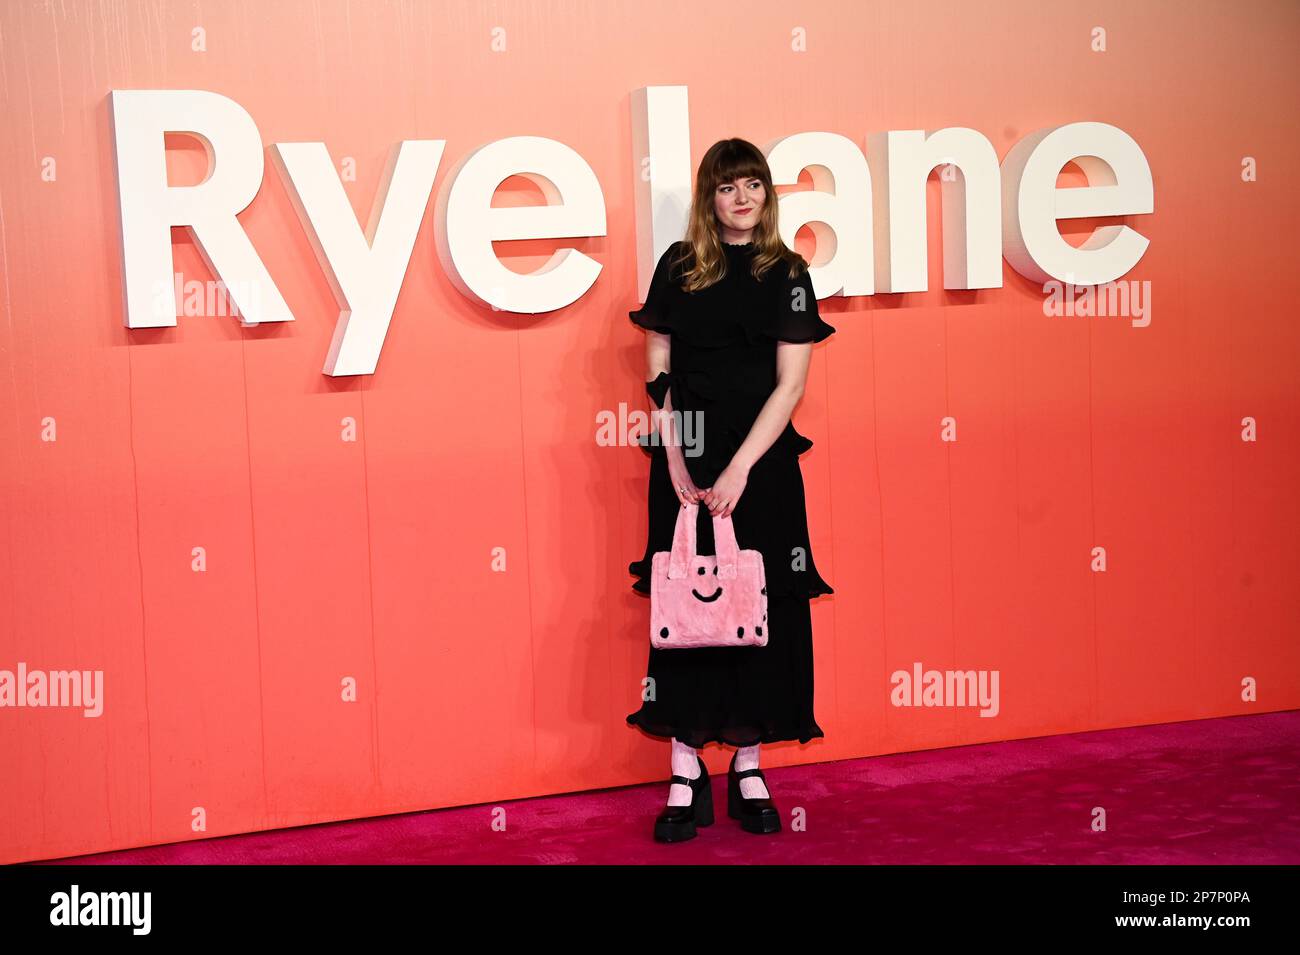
(677, 823)
(755, 815)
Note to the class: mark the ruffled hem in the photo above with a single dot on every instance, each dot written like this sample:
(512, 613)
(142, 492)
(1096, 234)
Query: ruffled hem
(792, 315)
(652, 319)
(786, 323)
(788, 441)
(730, 736)
(656, 314)
(810, 331)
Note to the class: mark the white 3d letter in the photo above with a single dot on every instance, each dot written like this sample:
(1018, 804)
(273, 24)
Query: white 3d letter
(366, 270)
(148, 207)
(661, 147)
(901, 161)
(838, 208)
(467, 224)
(1120, 184)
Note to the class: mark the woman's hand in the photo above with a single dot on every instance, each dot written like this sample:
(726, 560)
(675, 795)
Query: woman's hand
(721, 499)
(681, 477)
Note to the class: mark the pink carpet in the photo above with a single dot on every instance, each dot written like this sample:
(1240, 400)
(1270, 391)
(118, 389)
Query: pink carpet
(1206, 792)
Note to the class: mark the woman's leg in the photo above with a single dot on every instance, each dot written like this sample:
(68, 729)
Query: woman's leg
(751, 787)
(685, 762)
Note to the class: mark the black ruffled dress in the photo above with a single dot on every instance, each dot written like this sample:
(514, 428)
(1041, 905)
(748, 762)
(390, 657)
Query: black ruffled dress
(724, 365)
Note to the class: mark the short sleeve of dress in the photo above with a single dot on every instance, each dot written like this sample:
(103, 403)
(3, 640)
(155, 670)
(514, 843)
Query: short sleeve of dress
(795, 317)
(655, 314)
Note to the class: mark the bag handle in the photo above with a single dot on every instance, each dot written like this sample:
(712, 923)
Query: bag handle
(684, 543)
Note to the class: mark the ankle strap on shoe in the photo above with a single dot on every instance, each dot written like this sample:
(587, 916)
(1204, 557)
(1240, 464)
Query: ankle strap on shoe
(684, 781)
(742, 773)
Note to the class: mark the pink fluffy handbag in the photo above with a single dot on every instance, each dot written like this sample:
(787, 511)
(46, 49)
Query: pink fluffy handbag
(696, 601)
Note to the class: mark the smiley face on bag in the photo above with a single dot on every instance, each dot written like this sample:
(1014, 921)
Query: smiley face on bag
(704, 569)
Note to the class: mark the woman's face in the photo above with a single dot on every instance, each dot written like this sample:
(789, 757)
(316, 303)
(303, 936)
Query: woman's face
(737, 205)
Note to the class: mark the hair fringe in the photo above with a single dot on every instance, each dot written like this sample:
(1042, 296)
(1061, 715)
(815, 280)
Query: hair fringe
(726, 161)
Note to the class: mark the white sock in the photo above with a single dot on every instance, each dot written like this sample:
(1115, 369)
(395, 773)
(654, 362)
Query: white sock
(751, 787)
(685, 762)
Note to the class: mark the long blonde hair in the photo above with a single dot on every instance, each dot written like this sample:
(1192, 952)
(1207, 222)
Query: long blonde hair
(727, 160)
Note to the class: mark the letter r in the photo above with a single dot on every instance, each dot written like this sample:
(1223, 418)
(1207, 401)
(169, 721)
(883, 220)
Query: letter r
(148, 208)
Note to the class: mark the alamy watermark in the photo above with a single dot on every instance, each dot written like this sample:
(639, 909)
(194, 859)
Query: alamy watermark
(71, 688)
(946, 688)
(209, 298)
(1130, 300)
(625, 426)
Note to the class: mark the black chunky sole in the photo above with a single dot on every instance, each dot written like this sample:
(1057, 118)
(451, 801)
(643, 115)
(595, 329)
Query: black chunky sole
(697, 815)
(755, 815)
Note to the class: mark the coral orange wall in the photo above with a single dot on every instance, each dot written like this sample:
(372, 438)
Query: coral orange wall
(371, 559)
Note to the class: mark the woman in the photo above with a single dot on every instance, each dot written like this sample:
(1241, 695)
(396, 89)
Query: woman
(732, 318)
